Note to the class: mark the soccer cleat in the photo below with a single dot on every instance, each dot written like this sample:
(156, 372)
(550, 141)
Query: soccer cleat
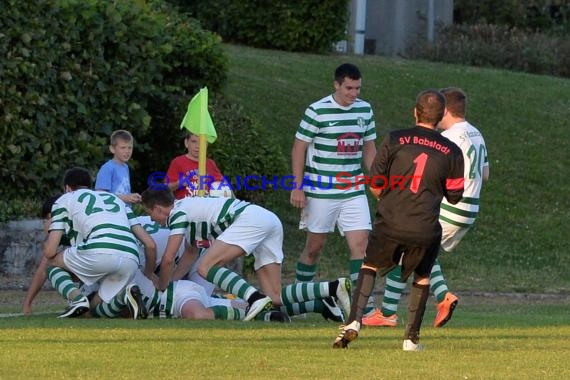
(331, 310)
(276, 316)
(343, 295)
(378, 319)
(76, 308)
(133, 299)
(347, 334)
(257, 307)
(445, 309)
(411, 346)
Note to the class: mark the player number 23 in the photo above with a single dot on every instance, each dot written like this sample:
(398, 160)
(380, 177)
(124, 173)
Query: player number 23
(108, 200)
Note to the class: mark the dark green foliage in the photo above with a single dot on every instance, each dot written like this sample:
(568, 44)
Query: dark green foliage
(73, 71)
(290, 25)
(500, 47)
(550, 16)
(244, 148)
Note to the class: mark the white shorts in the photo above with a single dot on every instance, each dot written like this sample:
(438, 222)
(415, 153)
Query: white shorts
(351, 214)
(185, 291)
(451, 235)
(113, 272)
(258, 231)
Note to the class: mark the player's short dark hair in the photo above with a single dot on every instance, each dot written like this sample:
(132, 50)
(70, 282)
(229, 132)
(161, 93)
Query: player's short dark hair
(430, 106)
(121, 134)
(77, 178)
(456, 101)
(157, 197)
(48, 204)
(346, 70)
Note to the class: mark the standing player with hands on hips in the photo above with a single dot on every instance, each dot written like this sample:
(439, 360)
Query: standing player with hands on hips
(406, 226)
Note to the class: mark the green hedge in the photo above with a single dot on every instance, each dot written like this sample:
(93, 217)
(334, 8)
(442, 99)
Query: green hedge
(547, 16)
(532, 36)
(73, 71)
(500, 47)
(290, 25)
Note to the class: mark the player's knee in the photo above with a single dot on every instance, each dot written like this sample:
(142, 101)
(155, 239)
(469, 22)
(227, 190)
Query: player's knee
(313, 249)
(203, 269)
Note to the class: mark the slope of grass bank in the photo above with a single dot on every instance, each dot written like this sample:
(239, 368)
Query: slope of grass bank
(520, 241)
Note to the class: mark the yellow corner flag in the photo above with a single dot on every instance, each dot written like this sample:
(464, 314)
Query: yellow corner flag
(197, 119)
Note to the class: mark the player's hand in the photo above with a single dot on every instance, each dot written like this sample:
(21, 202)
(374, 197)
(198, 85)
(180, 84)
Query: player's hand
(26, 308)
(154, 278)
(298, 198)
(135, 198)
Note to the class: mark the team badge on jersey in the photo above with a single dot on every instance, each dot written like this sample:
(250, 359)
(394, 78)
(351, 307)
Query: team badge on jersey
(348, 144)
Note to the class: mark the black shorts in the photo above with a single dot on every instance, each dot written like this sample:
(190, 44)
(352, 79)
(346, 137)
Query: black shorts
(385, 253)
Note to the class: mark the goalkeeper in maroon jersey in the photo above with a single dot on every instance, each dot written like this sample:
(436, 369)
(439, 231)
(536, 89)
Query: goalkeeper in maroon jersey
(412, 172)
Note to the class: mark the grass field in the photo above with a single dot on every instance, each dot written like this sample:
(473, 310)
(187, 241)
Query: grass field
(488, 338)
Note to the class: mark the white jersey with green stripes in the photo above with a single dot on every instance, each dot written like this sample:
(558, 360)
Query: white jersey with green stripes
(336, 136)
(208, 217)
(472, 144)
(160, 236)
(99, 222)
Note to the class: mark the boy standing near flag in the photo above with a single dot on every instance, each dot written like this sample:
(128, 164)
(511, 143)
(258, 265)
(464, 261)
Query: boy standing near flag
(183, 177)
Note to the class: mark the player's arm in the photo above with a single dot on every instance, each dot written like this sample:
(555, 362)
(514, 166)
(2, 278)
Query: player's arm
(368, 154)
(167, 263)
(377, 169)
(35, 287)
(188, 258)
(485, 173)
(149, 249)
(298, 156)
(52, 243)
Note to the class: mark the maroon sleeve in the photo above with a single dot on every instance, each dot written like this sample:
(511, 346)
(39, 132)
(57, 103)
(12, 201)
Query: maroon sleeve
(380, 164)
(455, 181)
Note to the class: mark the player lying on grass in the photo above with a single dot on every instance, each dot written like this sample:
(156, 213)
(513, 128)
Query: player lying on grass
(235, 228)
(317, 300)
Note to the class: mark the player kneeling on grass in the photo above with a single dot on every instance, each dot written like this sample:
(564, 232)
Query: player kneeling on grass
(104, 248)
(237, 228)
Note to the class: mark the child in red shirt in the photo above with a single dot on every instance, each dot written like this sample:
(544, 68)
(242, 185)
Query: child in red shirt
(183, 170)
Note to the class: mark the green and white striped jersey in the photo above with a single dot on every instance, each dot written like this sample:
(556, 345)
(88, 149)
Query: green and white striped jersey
(159, 304)
(472, 144)
(98, 221)
(204, 217)
(336, 135)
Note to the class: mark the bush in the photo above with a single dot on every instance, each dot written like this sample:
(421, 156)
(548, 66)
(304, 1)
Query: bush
(500, 47)
(547, 16)
(300, 25)
(73, 71)
(244, 148)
